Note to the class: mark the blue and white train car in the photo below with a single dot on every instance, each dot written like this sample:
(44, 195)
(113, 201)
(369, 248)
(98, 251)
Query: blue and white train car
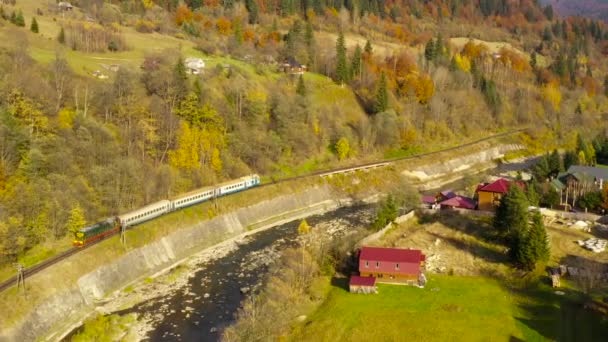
(144, 214)
(194, 197)
(206, 193)
(238, 185)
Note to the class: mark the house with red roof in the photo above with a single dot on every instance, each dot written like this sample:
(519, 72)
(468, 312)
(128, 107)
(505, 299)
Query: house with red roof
(362, 285)
(489, 194)
(458, 202)
(392, 265)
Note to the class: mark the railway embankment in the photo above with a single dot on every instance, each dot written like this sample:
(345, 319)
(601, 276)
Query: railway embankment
(63, 304)
(434, 175)
(60, 310)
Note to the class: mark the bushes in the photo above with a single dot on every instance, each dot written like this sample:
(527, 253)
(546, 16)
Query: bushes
(386, 214)
(92, 38)
(146, 26)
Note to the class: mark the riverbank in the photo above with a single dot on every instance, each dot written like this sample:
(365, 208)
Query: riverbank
(96, 287)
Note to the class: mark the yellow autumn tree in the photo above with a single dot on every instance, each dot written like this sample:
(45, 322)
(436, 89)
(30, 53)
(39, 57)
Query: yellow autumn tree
(65, 118)
(462, 62)
(186, 156)
(147, 3)
(552, 95)
(424, 89)
(303, 228)
(27, 112)
(76, 220)
(216, 161)
(342, 148)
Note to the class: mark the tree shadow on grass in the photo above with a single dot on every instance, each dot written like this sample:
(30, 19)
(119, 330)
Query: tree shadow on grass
(474, 248)
(341, 283)
(563, 318)
(481, 240)
(572, 316)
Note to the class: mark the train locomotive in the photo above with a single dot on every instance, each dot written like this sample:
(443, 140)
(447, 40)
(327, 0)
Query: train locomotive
(110, 226)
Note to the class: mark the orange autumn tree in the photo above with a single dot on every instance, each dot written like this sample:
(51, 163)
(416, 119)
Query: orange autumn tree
(183, 14)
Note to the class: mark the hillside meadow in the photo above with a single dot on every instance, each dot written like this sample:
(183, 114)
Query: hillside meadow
(451, 308)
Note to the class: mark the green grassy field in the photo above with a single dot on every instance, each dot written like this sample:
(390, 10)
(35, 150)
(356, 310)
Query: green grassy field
(451, 308)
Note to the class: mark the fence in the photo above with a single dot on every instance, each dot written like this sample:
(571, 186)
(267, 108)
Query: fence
(381, 232)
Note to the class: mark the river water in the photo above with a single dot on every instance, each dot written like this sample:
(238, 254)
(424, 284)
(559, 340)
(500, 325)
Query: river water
(209, 300)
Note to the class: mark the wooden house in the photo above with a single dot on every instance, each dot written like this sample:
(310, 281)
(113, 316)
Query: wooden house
(459, 202)
(292, 66)
(392, 265)
(489, 194)
(362, 285)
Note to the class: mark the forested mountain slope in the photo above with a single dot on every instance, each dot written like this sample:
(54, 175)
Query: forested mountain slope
(597, 9)
(98, 113)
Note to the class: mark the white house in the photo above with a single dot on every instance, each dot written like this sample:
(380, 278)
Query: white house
(194, 65)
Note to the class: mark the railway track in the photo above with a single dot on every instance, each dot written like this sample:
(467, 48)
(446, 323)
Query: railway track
(49, 262)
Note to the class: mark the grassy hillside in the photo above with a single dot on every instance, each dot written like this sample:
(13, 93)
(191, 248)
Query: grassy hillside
(450, 308)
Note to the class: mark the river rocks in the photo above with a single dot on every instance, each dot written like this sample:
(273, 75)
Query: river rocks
(206, 295)
(245, 289)
(213, 330)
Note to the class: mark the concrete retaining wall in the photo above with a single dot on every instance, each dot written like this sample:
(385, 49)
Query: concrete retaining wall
(457, 165)
(63, 309)
(371, 238)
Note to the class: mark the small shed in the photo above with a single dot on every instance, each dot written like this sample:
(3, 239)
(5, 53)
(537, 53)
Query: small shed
(362, 285)
(194, 65)
(459, 202)
(65, 6)
(292, 66)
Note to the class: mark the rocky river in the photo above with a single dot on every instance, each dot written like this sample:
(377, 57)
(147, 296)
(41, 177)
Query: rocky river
(196, 300)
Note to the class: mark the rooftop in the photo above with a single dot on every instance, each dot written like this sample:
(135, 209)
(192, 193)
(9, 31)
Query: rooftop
(362, 281)
(500, 186)
(459, 202)
(597, 172)
(391, 254)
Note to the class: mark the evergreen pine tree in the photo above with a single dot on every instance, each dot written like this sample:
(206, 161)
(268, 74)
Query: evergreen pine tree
(301, 87)
(34, 26)
(311, 45)
(555, 164)
(238, 32)
(532, 195)
(356, 64)
(341, 66)
(252, 8)
(521, 250)
(440, 48)
(429, 51)
(606, 86)
(453, 66)
(511, 216)
(61, 36)
(19, 20)
(381, 100)
(533, 61)
(368, 48)
(180, 78)
(537, 242)
(570, 158)
(13, 18)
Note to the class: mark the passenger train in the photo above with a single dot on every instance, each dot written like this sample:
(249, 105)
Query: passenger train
(110, 226)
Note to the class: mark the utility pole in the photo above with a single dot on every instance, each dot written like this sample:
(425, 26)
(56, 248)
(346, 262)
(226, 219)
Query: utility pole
(20, 277)
(123, 235)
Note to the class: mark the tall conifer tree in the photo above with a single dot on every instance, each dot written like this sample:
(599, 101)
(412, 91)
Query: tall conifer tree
(341, 66)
